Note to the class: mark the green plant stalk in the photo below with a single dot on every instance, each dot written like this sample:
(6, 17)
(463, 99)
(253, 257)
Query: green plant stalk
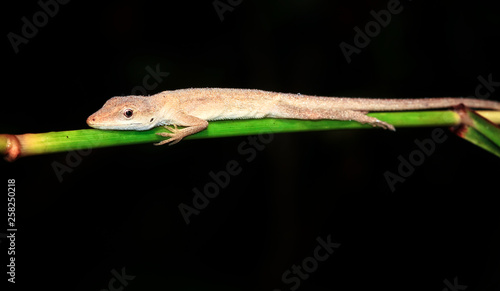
(15, 146)
(475, 137)
(484, 126)
(478, 130)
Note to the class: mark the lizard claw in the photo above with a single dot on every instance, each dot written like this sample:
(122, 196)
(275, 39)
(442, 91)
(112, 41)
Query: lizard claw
(174, 135)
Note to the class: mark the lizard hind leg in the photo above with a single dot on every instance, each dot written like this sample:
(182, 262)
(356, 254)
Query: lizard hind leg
(292, 112)
(361, 117)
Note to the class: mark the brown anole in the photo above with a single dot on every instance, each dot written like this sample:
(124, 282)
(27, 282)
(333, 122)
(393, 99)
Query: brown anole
(193, 108)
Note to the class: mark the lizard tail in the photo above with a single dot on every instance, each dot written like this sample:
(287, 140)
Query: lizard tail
(372, 104)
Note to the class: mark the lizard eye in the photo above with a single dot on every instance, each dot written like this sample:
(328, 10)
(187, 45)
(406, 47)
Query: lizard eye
(128, 113)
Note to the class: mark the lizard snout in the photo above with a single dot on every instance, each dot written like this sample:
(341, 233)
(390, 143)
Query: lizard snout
(91, 120)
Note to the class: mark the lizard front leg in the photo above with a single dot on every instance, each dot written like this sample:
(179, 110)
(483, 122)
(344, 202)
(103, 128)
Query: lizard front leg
(193, 125)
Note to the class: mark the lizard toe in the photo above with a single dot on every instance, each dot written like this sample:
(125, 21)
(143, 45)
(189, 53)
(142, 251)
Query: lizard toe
(165, 134)
(172, 129)
(173, 138)
(383, 125)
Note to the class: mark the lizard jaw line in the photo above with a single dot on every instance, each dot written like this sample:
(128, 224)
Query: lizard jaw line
(130, 126)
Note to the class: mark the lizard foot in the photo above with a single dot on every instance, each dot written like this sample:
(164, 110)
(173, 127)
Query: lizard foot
(382, 124)
(174, 135)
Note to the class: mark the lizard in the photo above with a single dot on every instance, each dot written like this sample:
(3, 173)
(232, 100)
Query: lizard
(193, 108)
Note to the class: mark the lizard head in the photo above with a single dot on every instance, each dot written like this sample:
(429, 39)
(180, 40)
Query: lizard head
(125, 113)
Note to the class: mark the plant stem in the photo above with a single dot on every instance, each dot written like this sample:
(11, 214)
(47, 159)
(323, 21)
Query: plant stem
(15, 146)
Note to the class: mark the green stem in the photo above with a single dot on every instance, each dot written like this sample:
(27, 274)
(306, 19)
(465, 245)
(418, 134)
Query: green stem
(15, 146)
(475, 137)
(485, 127)
(478, 130)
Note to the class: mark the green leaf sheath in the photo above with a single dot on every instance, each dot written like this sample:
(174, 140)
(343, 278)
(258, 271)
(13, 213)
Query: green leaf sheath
(478, 130)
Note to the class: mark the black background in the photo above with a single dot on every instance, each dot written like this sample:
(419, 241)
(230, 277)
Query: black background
(118, 207)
